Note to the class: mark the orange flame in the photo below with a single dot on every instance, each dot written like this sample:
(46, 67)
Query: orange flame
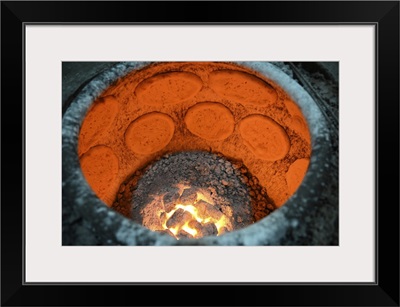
(221, 223)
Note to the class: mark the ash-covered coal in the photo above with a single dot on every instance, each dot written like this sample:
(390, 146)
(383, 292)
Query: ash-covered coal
(202, 192)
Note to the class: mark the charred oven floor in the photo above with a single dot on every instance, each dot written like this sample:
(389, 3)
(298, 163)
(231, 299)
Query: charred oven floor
(193, 194)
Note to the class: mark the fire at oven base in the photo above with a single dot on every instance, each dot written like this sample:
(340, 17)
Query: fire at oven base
(309, 217)
(193, 194)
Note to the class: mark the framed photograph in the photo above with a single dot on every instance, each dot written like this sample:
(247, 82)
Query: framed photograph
(236, 148)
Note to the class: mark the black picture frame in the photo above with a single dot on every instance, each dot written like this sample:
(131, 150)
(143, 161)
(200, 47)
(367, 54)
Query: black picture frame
(383, 14)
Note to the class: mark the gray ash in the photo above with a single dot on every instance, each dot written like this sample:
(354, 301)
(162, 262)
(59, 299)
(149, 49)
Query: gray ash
(227, 191)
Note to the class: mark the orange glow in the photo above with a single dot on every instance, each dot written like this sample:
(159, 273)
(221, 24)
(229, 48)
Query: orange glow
(198, 216)
(206, 106)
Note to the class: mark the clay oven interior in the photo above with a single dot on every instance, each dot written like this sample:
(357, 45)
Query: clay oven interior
(194, 149)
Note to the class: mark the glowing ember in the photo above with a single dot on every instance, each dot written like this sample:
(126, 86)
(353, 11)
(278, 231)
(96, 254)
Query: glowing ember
(193, 213)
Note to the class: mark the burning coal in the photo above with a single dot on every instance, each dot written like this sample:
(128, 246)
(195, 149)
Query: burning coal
(191, 213)
(193, 195)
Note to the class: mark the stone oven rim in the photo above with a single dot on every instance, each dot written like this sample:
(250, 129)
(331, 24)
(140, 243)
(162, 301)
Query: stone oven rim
(118, 230)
